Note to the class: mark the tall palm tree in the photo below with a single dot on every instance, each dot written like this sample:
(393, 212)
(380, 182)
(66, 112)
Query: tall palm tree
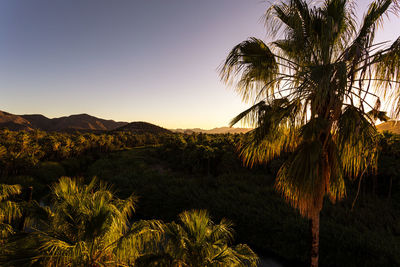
(9, 210)
(88, 226)
(196, 241)
(317, 91)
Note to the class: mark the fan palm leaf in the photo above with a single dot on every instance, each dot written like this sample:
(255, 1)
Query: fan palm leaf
(88, 226)
(197, 241)
(323, 84)
(9, 210)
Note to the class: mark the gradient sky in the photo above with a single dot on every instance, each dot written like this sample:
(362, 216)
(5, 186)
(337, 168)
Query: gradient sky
(127, 60)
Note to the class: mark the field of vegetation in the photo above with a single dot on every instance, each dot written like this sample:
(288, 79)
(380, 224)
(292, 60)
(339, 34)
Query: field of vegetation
(162, 176)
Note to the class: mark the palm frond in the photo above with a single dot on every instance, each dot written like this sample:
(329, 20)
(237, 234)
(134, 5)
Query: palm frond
(88, 226)
(326, 70)
(387, 75)
(7, 191)
(357, 142)
(366, 34)
(300, 178)
(197, 241)
(255, 64)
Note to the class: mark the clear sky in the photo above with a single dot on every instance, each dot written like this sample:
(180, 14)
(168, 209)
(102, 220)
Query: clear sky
(127, 60)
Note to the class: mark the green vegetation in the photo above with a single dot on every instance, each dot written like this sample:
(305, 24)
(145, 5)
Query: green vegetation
(9, 210)
(203, 172)
(87, 225)
(317, 89)
(20, 151)
(196, 241)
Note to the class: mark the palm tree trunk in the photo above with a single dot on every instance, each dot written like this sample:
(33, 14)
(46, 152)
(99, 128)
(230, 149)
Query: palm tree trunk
(390, 187)
(374, 185)
(314, 253)
(27, 198)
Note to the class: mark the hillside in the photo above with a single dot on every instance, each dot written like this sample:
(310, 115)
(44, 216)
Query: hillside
(391, 126)
(85, 122)
(14, 122)
(82, 122)
(140, 127)
(219, 130)
(38, 121)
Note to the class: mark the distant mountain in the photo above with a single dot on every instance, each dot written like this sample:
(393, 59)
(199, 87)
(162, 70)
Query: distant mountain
(391, 126)
(14, 122)
(140, 127)
(38, 121)
(83, 122)
(220, 130)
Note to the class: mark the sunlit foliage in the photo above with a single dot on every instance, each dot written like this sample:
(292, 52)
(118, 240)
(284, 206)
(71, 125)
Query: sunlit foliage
(20, 151)
(86, 225)
(318, 88)
(317, 91)
(9, 210)
(197, 241)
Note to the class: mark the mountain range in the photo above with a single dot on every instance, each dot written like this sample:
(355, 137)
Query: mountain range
(82, 122)
(85, 122)
(219, 130)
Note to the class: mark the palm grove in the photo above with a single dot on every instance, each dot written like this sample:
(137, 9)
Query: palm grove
(317, 91)
(87, 225)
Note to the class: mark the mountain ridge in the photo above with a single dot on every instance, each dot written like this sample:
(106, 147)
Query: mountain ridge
(217, 130)
(86, 122)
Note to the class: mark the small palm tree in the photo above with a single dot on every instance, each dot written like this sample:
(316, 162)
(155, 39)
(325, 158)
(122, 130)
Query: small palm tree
(88, 226)
(317, 91)
(197, 242)
(9, 210)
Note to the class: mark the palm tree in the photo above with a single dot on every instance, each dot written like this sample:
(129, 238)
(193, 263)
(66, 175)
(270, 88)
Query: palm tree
(88, 226)
(9, 210)
(317, 91)
(197, 242)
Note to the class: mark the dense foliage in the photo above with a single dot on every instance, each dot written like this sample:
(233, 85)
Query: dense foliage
(87, 225)
(203, 172)
(39, 158)
(22, 150)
